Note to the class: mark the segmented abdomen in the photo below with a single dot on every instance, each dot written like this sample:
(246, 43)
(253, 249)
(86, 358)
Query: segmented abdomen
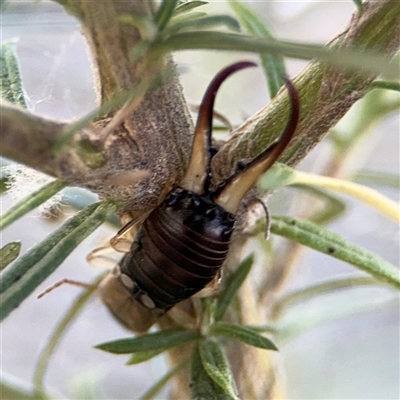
(180, 249)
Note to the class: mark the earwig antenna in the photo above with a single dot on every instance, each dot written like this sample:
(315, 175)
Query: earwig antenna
(231, 192)
(198, 175)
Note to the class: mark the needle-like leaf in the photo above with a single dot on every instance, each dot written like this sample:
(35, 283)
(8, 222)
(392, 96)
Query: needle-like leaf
(9, 253)
(244, 334)
(152, 341)
(319, 238)
(21, 278)
(217, 367)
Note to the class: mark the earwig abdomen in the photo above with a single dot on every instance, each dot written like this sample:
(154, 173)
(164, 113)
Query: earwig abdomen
(180, 249)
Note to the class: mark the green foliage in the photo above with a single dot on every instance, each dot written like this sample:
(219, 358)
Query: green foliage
(12, 391)
(155, 389)
(319, 238)
(165, 12)
(273, 65)
(355, 60)
(151, 341)
(10, 77)
(232, 285)
(58, 333)
(377, 178)
(197, 22)
(141, 356)
(189, 6)
(23, 277)
(217, 367)
(243, 334)
(359, 5)
(8, 253)
(333, 208)
(30, 202)
(322, 288)
(395, 86)
(202, 386)
(4, 185)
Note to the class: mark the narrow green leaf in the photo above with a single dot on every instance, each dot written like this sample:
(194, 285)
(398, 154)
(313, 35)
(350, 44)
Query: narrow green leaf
(377, 178)
(273, 65)
(78, 199)
(4, 184)
(155, 389)
(11, 392)
(152, 341)
(244, 334)
(359, 5)
(333, 206)
(202, 387)
(23, 276)
(190, 5)
(352, 59)
(206, 22)
(58, 333)
(165, 12)
(9, 253)
(262, 328)
(10, 77)
(277, 176)
(142, 356)
(319, 238)
(385, 85)
(310, 319)
(321, 289)
(30, 202)
(144, 24)
(12, 388)
(217, 367)
(232, 285)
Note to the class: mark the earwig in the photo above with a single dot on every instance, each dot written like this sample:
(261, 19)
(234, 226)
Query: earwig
(183, 243)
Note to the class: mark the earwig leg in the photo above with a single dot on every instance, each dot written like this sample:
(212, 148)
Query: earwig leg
(123, 244)
(127, 227)
(234, 188)
(70, 282)
(103, 257)
(198, 173)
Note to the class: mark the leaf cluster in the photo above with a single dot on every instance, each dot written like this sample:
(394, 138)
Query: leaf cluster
(210, 371)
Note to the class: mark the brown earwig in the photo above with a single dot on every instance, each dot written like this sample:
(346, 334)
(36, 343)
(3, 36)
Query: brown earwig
(181, 247)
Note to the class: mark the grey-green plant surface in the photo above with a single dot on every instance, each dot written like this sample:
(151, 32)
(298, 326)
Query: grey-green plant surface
(228, 345)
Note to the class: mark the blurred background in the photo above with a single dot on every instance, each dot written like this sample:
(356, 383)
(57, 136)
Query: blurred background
(351, 348)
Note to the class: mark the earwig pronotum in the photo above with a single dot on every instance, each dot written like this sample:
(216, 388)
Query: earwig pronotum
(183, 243)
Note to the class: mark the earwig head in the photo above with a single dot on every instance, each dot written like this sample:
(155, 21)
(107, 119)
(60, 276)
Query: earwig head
(198, 174)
